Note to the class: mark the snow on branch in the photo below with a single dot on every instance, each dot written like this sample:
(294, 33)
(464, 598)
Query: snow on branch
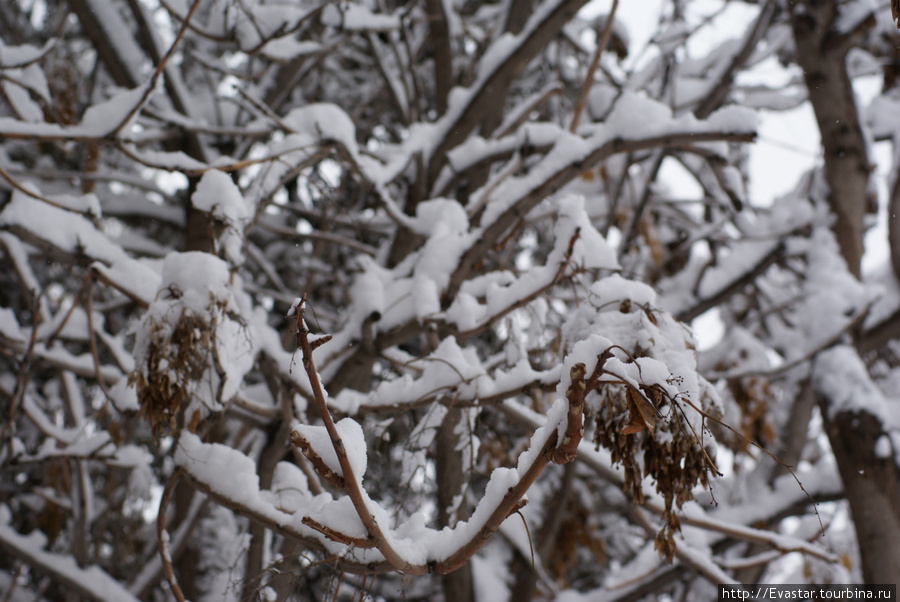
(91, 583)
(78, 240)
(591, 366)
(412, 548)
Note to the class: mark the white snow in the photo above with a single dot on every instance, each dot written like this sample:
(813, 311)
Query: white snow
(14, 57)
(100, 120)
(218, 195)
(200, 285)
(231, 475)
(90, 581)
(351, 435)
(883, 447)
(840, 374)
(75, 235)
(356, 17)
(18, 86)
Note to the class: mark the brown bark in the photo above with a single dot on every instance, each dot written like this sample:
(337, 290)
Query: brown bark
(871, 485)
(451, 482)
(822, 54)
(894, 223)
(443, 55)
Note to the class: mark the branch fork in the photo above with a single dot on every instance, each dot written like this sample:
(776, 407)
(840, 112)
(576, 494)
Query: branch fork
(511, 502)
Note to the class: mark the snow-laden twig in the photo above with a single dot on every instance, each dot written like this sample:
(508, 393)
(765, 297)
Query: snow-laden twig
(692, 557)
(782, 543)
(551, 449)
(150, 87)
(89, 583)
(351, 483)
(88, 212)
(602, 42)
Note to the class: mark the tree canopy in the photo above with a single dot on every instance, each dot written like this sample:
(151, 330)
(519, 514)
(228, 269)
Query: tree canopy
(308, 300)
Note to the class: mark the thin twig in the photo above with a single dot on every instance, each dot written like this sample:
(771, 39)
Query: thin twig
(351, 483)
(530, 543)
(589, 79)
(765, 451)
(23, 378)
(157, 73)
(163, 536)
(92, 339)
(15, 184)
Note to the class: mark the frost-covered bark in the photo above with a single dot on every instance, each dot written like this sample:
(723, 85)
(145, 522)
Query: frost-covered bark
(314, 300)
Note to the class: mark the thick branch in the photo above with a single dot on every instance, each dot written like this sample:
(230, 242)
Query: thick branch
(542, 27)
(733, 287)
(443, 56)
(548, 184)
(824, 62)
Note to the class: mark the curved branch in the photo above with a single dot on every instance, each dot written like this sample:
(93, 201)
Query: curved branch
(532, 190)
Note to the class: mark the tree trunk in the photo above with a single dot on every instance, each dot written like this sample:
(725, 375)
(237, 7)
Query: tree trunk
(822, 54)
(871, 485)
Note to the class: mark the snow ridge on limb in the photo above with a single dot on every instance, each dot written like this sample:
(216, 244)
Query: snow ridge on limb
(78, 240)
(229, 477)
(92, 582)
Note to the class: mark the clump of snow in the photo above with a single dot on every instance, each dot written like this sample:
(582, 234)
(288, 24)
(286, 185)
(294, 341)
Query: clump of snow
(341, 516)
(193, 337)
(323, 122)
(614, 289)
(356, 17)
(840, 374)
(883, 447)
(298, 301)
(446, 225)
(18, 86)
(193, 276)
(12, 57)
(218, 195)
(103, 118)
(368, 289)
(290, 488)
(123, 396)
(351, 435)
(232, 472)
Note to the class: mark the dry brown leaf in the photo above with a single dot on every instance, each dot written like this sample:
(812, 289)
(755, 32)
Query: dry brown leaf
(641, 413)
